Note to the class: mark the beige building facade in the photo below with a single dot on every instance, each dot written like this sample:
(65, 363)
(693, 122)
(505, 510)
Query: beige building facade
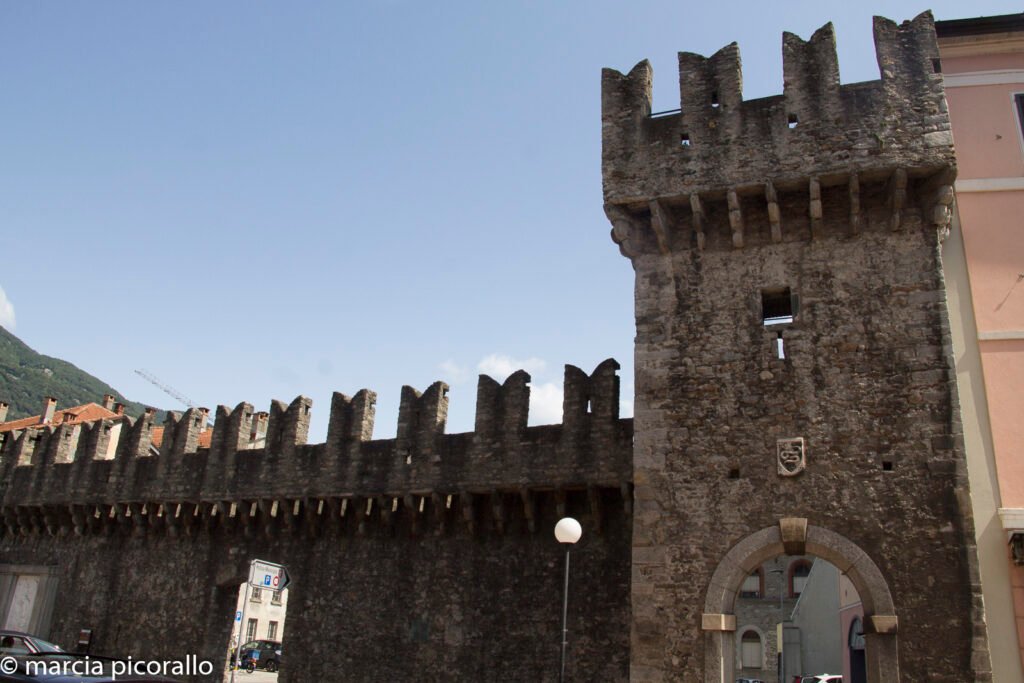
(259, 615)
(982, 62)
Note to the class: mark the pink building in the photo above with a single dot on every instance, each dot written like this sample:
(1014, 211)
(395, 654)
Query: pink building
(982, 61)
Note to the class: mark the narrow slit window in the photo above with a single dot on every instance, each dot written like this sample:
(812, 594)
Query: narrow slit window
(714, 99)
(777, 306)
(793, 120)
(937, 66)
(684, 139)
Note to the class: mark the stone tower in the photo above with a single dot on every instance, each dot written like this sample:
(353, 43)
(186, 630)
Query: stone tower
(794, 375)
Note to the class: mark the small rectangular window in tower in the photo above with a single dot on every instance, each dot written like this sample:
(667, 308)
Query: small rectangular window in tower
(778, 306)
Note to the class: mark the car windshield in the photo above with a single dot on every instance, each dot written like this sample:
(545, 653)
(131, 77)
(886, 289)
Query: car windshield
(16, 644)
(45, 646)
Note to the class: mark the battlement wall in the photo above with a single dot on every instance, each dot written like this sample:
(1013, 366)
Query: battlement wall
(670, 179)
(50, 481)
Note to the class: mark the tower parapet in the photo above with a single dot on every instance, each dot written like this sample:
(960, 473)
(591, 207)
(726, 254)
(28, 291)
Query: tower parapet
(712, 174)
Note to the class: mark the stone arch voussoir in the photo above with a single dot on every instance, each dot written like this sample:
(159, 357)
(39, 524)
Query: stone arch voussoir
(744, 557)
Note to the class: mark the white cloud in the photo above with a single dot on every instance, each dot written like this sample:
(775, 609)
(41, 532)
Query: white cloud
(454, 372)
(626, 409)
(6, 311)
(545, 404)
(499, 366)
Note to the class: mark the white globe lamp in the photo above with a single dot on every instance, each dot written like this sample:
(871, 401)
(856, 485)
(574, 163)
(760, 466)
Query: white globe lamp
(568, 530)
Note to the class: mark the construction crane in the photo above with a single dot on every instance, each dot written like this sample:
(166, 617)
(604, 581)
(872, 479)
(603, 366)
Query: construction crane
(170, 391)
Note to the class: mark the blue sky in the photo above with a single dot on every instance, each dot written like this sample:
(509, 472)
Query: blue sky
(257, 200)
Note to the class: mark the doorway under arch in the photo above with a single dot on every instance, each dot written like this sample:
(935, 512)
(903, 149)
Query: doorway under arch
(855, 642)
(794, 536)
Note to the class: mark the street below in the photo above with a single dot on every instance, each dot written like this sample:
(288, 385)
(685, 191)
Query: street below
(255, 677)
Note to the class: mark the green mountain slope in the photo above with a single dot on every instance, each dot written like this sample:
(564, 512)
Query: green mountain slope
(26, 377)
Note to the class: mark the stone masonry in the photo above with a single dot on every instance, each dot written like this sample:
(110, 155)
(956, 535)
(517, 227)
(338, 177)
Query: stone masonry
(789, 286)
(424, 557)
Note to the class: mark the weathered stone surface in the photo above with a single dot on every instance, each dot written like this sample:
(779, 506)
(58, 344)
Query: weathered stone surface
(718, 622)
(815, 129)
(794, 535)
(425, 557)
(830, 191)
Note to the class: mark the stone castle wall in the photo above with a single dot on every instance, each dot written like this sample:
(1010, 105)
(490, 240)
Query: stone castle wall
(411, 557)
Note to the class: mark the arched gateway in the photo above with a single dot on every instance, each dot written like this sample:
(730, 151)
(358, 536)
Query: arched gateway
(796, 536)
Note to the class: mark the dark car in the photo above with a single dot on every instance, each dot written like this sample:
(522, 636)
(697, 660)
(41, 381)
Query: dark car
(261, 654)
(18, 643)
(25, 658)
(67, 667)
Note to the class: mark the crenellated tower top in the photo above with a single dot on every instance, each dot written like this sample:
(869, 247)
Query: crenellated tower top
(662, 170)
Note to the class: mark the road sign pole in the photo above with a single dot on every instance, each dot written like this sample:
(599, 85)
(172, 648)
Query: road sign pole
(241, 625)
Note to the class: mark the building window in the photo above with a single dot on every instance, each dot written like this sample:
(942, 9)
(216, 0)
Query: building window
(250, 630)
(257, 595)
(272, 631)
(798, 573)
(778, 306)
(751, 651)
(856, 635)
(1018, 101)
(275, 598)
(753, 585)
(14, 645)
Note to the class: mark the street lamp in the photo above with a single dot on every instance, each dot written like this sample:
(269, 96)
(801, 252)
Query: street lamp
(567, 532)
(782, 624)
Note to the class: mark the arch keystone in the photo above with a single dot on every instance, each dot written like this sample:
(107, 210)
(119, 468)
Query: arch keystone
(794, 535)
(718, 622)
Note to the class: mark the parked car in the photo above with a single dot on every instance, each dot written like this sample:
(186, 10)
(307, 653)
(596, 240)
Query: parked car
(822, 678)
(25, 658)
(59, 667)
(18, 643)
(261, 654)
(749, 680)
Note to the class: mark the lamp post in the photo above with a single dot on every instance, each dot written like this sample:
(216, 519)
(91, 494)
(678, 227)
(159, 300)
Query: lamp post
(567, 532)
(782, 622)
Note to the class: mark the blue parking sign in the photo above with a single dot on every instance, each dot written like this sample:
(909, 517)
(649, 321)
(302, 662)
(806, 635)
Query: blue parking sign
(266, 579)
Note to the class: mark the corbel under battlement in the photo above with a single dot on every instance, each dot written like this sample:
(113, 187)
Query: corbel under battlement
(841, 204)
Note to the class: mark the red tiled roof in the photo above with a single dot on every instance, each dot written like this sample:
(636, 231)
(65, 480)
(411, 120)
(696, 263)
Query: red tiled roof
(158, 437)
(89, 412)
